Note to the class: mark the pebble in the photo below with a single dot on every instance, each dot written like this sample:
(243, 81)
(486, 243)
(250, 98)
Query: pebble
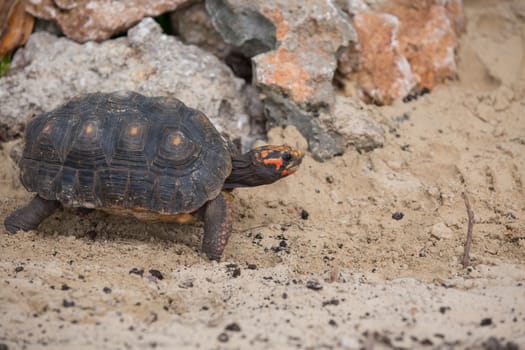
(397, 215)
(304, 214)
(137, 271)
(68, 303)
(233, 327)
(441, 231)
(157, 274)
(19, 269)
(314, 285)
(106, 290)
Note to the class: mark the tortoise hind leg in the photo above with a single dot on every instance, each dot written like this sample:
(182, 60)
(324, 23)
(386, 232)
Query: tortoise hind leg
(29, 217)
(217, 217)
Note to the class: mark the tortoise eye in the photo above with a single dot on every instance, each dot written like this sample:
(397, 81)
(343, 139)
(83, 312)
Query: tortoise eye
(287, 156)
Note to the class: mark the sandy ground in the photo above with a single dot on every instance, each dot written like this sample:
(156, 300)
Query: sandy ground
(347, 276)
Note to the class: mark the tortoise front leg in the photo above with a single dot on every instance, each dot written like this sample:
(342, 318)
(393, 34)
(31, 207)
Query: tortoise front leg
(217, 217)
(29, 217)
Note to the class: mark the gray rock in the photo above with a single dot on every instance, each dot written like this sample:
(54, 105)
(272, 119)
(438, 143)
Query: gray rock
(298, 43)
(51, 70)
(351, 119)
(329, 133)
(243, 25)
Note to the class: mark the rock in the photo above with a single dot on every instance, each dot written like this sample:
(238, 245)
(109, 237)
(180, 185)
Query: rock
(428, 38)
(441, 231)
(403, 47)
(51, 70)
(194, 26)
(352, 120)
(294, 43)
(243, 25)
(384, 74)
(323, 143)
(85, 20)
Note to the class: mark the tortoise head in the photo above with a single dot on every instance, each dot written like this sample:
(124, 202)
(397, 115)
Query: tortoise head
(263, 165)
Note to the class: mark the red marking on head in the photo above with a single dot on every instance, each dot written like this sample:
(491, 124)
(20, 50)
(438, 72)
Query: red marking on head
(278, 162)
(287, 172)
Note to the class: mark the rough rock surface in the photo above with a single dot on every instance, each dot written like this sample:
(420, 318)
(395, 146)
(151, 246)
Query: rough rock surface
(51, 70)
(98, 20)
(384, 73)
(193, 24)
(428, 37)
(404, 47)
(294, 47)
(295, 43)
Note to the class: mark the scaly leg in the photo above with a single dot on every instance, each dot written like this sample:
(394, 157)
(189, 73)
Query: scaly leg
(29, 217)
(217, 217)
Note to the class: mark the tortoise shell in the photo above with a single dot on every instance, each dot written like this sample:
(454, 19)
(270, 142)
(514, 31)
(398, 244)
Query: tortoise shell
(125, 151)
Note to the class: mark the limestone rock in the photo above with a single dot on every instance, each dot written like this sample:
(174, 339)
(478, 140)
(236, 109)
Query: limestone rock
(51, 70)
(84, 20)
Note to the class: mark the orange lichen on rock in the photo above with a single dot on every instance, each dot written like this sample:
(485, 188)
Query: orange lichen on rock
(428, 40)
(276, 16)
(284, 70)
(383, 72)
(406, 46)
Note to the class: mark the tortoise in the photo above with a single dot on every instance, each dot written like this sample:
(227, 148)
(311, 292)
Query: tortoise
(149, 157)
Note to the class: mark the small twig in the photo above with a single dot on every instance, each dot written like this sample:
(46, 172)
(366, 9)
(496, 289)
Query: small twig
(466, 259)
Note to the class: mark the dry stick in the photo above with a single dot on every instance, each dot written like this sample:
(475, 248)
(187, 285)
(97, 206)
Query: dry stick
(466, 259)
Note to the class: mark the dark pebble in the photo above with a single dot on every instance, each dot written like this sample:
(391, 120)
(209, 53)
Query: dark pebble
(252, 267)
(329, 179)
(314, 285)
(331, 302)
(426, 342)
(285, 296)
(332, 323)
(234, 270)
(137, 271)
(283, 244)
(156, 273)
(486, 322)
(65, 287)
(223, 337)
(68, 303)
(106, 290)
(19, 269)
(397, 215)
(444, 309)
(233, 327)
(304, 214)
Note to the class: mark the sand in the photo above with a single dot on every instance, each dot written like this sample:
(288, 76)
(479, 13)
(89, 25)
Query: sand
(349, 275)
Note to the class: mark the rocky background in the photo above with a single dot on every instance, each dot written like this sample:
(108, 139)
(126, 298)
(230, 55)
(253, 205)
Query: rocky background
(247, 65)
(402, 107)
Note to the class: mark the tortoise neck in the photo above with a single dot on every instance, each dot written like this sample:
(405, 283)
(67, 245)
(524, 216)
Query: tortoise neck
(245, 172)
